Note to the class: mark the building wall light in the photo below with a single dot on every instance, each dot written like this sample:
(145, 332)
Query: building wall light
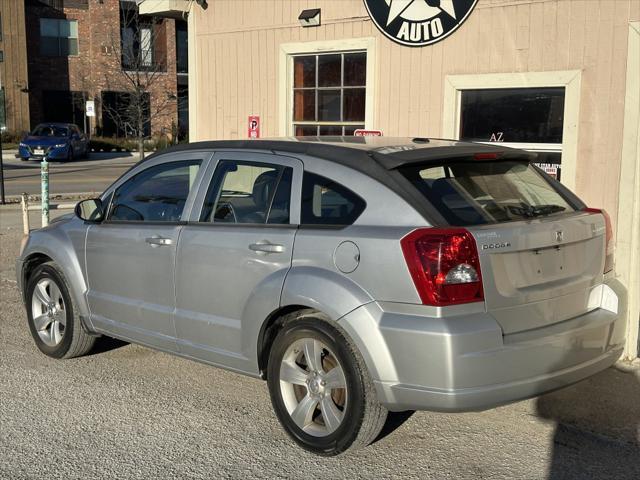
(310, 18)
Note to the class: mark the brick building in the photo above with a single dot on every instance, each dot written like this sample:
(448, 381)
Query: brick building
(79, 50)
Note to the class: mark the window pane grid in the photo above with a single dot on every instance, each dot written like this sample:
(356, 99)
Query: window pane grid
(329, 112)
(58, 37)
(314, 129)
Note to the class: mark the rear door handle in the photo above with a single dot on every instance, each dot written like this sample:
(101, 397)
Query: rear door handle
(157, 241)
(266, 247)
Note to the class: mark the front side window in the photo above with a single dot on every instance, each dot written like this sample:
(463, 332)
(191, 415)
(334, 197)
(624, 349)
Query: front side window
(247, 192)
(527, 118)
(481, 192)
(58, 37)
(325, 202)
(329, 93)
(157, 194)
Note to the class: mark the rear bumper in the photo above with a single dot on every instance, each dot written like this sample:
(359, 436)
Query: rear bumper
(423, 360)
(412, 397)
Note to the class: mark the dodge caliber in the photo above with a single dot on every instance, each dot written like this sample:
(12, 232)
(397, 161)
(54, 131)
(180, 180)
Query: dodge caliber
(356, 276)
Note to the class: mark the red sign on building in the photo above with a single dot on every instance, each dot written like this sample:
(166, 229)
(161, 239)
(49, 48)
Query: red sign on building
(367, 133)
(253, 130)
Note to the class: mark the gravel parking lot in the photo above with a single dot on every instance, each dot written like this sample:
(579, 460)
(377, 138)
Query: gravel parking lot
(129, 412)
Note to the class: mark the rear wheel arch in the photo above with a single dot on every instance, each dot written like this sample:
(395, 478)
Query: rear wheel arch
(270, 328)
(278, 319)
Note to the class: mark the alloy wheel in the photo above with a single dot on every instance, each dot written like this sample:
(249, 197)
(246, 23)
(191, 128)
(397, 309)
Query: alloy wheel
(48, 311)
(313, 387)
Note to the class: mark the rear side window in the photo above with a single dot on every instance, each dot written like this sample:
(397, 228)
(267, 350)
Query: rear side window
(325, 202)
(248, 192)
(480, 192)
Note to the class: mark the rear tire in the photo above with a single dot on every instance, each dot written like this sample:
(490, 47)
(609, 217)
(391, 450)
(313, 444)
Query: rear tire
(327, 404)
(52, 314)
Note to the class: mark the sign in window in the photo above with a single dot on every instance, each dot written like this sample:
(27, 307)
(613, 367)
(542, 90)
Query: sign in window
(527, 118)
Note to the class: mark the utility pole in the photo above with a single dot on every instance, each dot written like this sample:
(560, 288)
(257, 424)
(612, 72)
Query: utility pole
(2, 199)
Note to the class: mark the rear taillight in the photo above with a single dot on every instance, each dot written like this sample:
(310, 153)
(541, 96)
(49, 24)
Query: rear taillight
(608, 259)
(444, 265)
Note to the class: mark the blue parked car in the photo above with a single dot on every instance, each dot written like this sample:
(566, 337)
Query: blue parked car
(56, 141)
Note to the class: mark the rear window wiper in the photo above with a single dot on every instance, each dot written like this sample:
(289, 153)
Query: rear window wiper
(530, 211)
(540, 210)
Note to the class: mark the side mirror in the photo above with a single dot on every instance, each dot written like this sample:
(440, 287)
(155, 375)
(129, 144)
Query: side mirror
(90, 210)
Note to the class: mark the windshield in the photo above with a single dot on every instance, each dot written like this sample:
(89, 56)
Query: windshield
(50, 131)
(480, 192)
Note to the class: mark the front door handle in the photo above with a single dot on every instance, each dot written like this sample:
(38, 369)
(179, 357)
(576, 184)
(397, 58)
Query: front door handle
(157, 241)
(266, 247)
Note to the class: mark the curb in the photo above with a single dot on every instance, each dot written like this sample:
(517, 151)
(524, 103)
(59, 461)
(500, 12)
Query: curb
(13, 201)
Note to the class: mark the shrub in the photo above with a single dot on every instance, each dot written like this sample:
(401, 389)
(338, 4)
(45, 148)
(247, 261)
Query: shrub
(10, 137)
(109, 144)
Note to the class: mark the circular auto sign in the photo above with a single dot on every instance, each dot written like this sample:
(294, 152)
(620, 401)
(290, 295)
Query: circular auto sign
(418, 22)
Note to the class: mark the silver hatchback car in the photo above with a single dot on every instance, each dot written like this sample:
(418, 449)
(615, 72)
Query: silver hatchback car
(356, 276)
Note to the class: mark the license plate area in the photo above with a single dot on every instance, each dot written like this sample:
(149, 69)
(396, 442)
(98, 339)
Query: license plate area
(38, 151)
(549, 263)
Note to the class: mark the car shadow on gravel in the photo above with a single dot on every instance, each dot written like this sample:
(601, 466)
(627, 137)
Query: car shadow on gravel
(106, 344)
(602, 410)
(394, 421)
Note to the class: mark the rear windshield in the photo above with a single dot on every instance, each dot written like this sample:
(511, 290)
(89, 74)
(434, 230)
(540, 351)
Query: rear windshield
(480, 192)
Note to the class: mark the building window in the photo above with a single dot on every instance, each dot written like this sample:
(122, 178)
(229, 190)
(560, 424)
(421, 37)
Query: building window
(141, 45)
(64, 106)
(58, 38)
(182, 47)
(527, 118)
(329, 93)
(120, 114)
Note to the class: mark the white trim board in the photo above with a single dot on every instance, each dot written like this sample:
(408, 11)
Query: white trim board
(569, 79)
(628, 224)
(285, 74)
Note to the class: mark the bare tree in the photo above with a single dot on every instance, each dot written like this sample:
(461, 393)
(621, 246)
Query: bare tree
(143, 65)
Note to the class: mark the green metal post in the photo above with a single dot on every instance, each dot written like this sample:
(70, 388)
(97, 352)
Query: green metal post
(44, 180)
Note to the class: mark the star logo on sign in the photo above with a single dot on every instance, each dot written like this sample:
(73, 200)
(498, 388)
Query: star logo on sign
(417, 23)
(419, 10)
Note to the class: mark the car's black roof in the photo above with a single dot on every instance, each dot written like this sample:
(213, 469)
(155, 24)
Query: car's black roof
(377, 157)
(361, 152)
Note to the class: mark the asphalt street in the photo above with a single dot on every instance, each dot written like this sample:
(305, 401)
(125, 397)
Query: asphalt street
(126, 411)
(91, 175)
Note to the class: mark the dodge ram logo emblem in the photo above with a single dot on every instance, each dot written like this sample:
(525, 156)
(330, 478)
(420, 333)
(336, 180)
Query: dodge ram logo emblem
(559, 236)
(418, 22)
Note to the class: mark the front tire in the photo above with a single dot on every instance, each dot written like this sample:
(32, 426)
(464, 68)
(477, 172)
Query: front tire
(320, 388)
(70, 157)
(52, 315)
